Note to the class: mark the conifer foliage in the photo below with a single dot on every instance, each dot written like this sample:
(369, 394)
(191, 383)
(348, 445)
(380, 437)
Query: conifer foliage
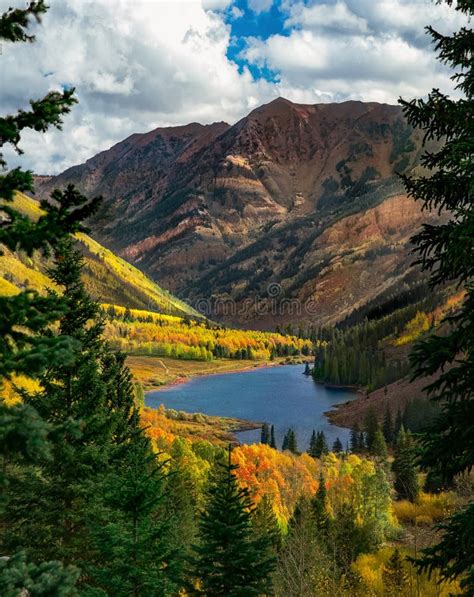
(446, 251)
(404, 467)
(26, 347)
(230, 558)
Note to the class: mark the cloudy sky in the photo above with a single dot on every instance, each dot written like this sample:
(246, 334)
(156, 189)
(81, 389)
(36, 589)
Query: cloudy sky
(139, 64)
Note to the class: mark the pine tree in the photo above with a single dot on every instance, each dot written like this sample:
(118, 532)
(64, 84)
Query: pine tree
(371, 427)
(26, 346)
(312, 445)
(387, 427)
(230, 559)
(354, 439)
(99, 492)
(404, 468)
(265, 523)
(265, 434)
(337, 446)
(272, 437)
(319, 504)
(445, 251)
(129, 528)
(379, 446)
(290, 442)
(394, 575)
(321, 446)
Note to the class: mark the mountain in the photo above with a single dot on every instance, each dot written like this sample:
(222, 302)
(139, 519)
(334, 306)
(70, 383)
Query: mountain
(108, 278)
(293, 213)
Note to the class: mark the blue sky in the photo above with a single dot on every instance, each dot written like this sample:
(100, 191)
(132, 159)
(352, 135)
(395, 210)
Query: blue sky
(250, 24)
(141, 64)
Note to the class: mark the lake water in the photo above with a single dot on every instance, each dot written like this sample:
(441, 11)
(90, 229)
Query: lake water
(281, 396)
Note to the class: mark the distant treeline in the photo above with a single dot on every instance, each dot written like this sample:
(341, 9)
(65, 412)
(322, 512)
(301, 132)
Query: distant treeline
(356, 355)
(142, 332)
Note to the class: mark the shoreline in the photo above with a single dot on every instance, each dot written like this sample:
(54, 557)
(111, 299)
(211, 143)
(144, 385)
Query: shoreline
(182, 379)
(243, 424)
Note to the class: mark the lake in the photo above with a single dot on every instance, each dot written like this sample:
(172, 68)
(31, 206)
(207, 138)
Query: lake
(282, 396)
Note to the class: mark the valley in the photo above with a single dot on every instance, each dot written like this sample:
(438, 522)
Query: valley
(236, 358)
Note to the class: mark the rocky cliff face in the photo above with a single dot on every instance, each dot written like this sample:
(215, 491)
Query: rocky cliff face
(302, 196)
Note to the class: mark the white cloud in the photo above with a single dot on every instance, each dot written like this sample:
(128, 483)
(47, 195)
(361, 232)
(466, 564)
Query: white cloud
(236, 13)
(326, 16)
(135, 67)
(259, 6)
(154, 63)
(357, 49)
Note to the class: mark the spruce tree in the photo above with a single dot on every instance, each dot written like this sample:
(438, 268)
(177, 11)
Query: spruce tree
(354, 439)
(321, 445)
(290, 442)
(230, 559)
(337, 447)
(445, 251)
(26, 345)
(379, 446)
(371, 427)
(320, 504)
(312, 445)
(265, 434)
(265, 523)
(272, 437)
(129, 529)
(99, 494)
(404, 468)
(284, 445)
(20, 577)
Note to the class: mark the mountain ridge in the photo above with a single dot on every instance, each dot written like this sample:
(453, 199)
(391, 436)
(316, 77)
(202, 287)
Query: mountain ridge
(183, 202)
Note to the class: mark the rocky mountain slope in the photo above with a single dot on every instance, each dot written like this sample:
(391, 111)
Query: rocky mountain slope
(294, 213)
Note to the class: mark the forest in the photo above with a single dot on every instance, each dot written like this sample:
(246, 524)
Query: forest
(102, 496)
(140, 332)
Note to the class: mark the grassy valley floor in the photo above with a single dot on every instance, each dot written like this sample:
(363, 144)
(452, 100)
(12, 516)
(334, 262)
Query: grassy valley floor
(155, 372)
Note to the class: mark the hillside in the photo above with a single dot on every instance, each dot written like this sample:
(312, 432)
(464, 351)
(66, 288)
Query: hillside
(108, 278)
(303, 196)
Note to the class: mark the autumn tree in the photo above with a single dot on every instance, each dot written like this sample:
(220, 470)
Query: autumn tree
(304, 566)
(394, 575)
